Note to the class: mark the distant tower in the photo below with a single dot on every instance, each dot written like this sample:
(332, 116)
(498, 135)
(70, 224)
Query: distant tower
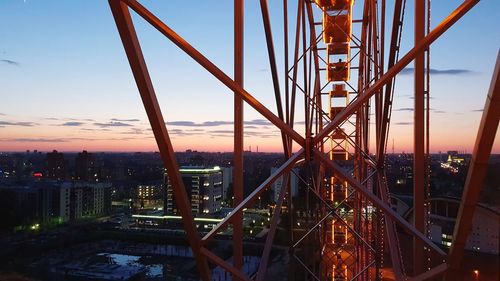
(85, 167)
(392, 145)
(56, 166)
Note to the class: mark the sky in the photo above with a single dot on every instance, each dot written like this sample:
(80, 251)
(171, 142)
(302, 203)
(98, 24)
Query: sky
(65, 82)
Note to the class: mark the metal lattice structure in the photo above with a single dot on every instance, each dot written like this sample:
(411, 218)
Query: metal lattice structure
(341, 68)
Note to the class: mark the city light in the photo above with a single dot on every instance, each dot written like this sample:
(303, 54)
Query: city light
(154, 176)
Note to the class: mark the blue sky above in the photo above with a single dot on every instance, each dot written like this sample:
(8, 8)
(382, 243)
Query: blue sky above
(65, 82)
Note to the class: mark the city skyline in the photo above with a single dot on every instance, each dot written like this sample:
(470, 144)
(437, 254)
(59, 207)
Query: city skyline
(76, 92)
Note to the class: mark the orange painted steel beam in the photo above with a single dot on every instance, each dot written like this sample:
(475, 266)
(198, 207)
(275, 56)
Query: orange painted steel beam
(419, 140)
(274, 69)
(388, 87)
(213, 69)
(296, 59)
(476, 174)
(133, 50)
(239, 10)
(393, 71)
(390, 230)
(340, 173)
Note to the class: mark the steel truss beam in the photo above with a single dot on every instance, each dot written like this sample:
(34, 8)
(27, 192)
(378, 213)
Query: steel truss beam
(238, 133)
(393, 71)
(213, 69)
(476, 175)
(309, 144)
(138, 64)
(339, 171)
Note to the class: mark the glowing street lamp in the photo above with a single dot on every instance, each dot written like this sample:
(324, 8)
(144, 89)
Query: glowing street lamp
(476, 274)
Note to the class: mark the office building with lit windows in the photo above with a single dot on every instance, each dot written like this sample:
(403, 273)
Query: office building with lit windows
(443, 211)
(204, 188)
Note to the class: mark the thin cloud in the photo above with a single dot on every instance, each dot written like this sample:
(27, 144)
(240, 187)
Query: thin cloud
(22, 124)
(412, 97)
(76, 119)
(181, 123)
(439, 111)
(229, 133)
(203, 124)
(112, 124)
(93, 130)
(261, 134)
(434, 71)
(72, 124)
(133, 131)
(10, 62)
(37, 140)
(403, 123)
(404, 109)
(261, 122)
(59, 140)
(69, 119)
(2, 114)
(183, 133)
(184, 123)
(222, 132)
(477, 110)
(125, 120)
(216, 123)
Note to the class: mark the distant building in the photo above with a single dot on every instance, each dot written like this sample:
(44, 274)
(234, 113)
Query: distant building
(61, 201)
(38, 203)
(277, 185)
(18, 206)
(483, 236)
(56, 166)
(90, 199)
(227, 179)
(48, 202)
(85, 167)
(148, 192)
(203, 186)
(147, 197)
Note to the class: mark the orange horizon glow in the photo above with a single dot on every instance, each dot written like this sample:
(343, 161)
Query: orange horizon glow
(219, 145)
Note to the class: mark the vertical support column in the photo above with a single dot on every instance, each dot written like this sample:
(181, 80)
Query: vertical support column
(238, 134)
(274, 69)
(419, 140)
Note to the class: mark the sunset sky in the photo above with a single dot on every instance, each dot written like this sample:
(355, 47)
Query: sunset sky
(65, 82)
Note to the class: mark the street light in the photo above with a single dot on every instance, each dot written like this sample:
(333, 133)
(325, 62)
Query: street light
(476, 273)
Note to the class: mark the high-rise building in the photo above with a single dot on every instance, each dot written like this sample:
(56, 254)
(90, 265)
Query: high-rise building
(278, 183)
(56, 166)
(35, 204)
(204, 188)
(85, 167)
(227, 179)
(90, 199)
(148, 192)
